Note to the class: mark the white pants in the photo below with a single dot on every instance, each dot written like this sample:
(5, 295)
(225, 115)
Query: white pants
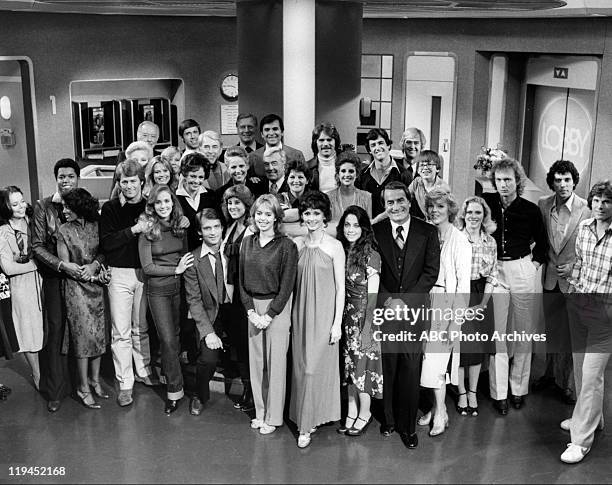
(515, 309)
(130, 340)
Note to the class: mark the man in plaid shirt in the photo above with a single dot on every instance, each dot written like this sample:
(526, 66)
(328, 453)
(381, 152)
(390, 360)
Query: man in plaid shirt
(590, 312)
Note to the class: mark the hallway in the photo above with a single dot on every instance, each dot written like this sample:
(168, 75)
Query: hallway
(140, 444)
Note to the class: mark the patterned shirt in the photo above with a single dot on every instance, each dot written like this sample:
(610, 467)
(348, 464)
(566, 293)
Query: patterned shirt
(592, 272)
(484, 258)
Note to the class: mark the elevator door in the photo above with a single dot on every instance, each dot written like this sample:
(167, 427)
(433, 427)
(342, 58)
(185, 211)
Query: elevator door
(563, 121)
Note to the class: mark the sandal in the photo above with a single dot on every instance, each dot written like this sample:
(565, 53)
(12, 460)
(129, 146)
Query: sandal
(88, 400)
(473, 410)
(462, 410)
(98, 389)
(344, 428)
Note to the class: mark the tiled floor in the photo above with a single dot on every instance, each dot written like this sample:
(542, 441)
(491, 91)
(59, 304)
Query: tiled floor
(141, 444)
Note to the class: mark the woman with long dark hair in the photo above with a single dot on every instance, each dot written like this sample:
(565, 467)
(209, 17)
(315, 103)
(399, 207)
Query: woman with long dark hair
(78, 243)
(237, 202)
(164, 257)
(362, 355)
(25, 283)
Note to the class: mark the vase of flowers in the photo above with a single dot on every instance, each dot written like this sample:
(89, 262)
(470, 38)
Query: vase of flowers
(486, 158)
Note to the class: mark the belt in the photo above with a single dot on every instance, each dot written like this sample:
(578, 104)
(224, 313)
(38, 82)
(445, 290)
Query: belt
(512, 258)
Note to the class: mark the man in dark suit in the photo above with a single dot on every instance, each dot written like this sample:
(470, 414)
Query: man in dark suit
(562, 213)
(246, 124)
(274, 181)
(205, 286)
(410, 252)
(272, 129)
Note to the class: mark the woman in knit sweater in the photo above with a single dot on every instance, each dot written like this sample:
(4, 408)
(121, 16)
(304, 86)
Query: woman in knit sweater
(164, 257)
(268, 267)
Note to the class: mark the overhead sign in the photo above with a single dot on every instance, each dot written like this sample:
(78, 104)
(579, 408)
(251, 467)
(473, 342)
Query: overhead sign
(560, 72)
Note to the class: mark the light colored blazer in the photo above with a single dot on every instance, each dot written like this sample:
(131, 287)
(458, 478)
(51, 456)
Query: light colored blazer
(567, 252)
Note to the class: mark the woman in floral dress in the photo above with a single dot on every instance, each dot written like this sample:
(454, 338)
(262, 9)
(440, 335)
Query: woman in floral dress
(362, 357)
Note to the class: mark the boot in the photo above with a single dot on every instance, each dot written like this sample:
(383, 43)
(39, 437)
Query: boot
(245, 394)
(247, 404)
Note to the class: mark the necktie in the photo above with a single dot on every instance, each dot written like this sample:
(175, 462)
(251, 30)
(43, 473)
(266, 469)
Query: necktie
(399, 238)
(219, 278)
(273, 188)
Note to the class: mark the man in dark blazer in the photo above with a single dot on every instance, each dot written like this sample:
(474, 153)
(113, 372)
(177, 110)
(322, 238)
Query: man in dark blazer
(410, 252)
(274, 181)
(562, 213)
(205, 286)
(272, 129)
(246, 124)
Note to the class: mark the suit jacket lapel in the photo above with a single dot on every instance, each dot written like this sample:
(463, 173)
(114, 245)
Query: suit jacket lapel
(204, 268)
(577, 209)
(385, 242)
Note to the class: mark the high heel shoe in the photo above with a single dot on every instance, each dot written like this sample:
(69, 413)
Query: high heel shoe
(359, 431)
(473, 410)
(462, 410)
(346, 426)
(98, 390)
(88, 400)
(439, 428)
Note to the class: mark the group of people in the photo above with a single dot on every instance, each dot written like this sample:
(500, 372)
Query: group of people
(197, 242)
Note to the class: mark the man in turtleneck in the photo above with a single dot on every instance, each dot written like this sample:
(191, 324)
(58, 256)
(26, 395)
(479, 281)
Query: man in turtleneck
(325, 146)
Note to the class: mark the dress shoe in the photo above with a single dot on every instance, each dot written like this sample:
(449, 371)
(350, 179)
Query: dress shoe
(195, 406)
(266, 428)
(348, 424)
(517, 401)
(53, 406)
(87, 399)
(425, 419)
(149, 380)
(574, 453)
(359, 431)
(248, 405)
(439, 425)
(462, 410)
(124, 398)
(171, 405)
(98, 390)
(542, 383)
(568, 396)
(304, 440)
(411, 441)
(387, 429)
(501, 405)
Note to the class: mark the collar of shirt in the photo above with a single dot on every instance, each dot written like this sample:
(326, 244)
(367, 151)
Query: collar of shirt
(568, 203)
(207, 251)
(280, 144)
(279, 183)
(181, 191)
(391, 166)
(56, 198)
(252, 145)
(405, 225)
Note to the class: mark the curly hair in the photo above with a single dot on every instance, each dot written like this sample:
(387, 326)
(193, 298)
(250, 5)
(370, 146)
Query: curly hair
(373, 134)
(330, 130)
(6, 211)
(315, 200)
(359, 252)
(519, 172)
(488, 225)
(561, 167)
(349, 157)
(297, 166)
(440, 195)
(82, 203)
(240, 192)
(154, 232)
(192, 162)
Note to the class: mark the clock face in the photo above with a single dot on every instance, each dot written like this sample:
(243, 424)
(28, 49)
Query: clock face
(229, 87)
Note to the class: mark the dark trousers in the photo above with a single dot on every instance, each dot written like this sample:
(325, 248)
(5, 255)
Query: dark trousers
(164, 303)
(206, 364)
(54, 372)
(401, 376)
(236, 326)
(559, 363)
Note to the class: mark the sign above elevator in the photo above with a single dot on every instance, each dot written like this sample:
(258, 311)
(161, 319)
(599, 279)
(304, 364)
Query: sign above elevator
(560, 72)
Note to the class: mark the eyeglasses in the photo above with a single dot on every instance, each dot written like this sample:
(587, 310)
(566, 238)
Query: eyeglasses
(428, 164)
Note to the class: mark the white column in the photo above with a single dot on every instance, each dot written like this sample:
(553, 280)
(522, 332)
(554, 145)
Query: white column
(299, 72)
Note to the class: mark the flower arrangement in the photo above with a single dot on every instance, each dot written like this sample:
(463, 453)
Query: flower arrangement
(487, 157)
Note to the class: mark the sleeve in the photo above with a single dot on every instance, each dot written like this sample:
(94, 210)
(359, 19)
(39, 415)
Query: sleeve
(148, 264)
(539, 236)
(463, 258)
(9, 266)
(374, 264)
(111, 235)
(247, 300)
(289, 263)
(196, 306)
(368, 205)
(39, 237)
(492, 276)
(577, 268)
